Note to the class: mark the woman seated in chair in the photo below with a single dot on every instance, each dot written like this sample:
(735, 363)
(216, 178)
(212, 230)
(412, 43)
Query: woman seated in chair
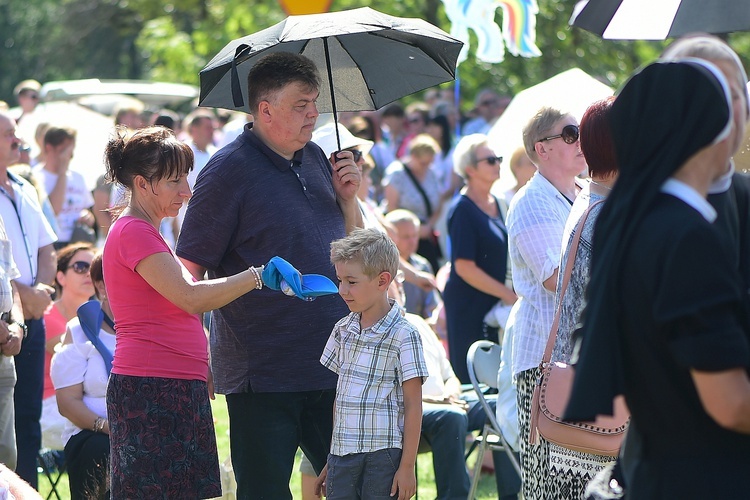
(74, 287)
(80, 375)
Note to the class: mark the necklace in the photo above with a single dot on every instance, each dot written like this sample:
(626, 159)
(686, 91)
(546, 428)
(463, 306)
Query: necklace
(601, 185)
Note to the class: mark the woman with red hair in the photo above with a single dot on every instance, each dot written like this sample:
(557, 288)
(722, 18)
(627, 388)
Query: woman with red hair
(567, 471)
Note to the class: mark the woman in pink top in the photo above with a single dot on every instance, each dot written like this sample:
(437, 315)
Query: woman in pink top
(161, 428)
(74, 287)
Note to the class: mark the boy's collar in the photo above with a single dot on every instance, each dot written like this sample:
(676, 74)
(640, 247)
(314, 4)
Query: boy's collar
(384, 324)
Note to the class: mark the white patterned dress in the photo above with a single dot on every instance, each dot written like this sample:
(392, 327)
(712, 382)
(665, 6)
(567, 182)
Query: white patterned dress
(570, 471)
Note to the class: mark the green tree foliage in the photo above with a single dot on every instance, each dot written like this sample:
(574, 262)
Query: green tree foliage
(66, 39)
(172, 40)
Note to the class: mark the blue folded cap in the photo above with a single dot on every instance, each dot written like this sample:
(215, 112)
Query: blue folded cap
(306, 287)
(91, 317)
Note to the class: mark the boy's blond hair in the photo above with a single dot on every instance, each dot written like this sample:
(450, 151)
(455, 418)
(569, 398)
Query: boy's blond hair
(374, 250)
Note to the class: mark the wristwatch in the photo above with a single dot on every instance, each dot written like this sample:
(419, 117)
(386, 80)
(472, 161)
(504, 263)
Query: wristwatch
(22, 326)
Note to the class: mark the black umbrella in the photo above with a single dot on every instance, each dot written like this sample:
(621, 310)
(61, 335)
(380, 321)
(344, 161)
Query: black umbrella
(371, 58)
(660, 19)
(367, 59)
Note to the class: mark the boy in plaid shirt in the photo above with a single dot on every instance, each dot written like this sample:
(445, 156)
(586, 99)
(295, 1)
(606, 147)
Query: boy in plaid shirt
(378, 357)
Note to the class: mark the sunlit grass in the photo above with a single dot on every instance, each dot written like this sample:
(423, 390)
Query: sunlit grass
(425, 473)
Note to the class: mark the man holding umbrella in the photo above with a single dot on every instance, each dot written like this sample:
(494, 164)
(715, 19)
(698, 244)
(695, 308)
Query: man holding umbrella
(272, 192)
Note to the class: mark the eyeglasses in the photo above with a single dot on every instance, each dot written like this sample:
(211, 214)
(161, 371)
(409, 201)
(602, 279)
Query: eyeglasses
(569, 134)
(492, 160)
(489, 102)
(80, 267)
(356, 154)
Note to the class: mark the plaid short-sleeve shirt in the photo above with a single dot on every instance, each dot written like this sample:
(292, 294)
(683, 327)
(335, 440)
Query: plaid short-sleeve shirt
(372, 364)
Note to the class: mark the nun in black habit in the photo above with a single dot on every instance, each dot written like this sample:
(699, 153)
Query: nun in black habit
(663, 324)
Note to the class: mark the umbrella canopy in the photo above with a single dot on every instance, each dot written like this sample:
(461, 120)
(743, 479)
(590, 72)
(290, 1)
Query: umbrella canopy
(366, 58)
(660, 19)
(571, 91)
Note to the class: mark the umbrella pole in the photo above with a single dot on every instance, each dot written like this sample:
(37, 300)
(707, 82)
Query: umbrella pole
(333, 98)
(457, 100)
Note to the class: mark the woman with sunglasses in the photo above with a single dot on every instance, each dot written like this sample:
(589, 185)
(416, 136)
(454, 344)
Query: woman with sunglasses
(74, 287)
(565, 473)
(80, 375)
(536, 220)
(479, 252)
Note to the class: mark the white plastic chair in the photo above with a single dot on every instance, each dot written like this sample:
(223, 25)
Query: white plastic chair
(483, 363)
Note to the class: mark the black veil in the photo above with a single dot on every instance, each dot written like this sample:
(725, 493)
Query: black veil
(663, 116)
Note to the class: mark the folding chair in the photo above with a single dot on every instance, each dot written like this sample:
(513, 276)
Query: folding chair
(483, 363)
(52, 468)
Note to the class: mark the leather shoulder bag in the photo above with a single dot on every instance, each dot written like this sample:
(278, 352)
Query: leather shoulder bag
(601, 437)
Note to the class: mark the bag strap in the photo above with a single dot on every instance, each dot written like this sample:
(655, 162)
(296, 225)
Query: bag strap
(427, 204)
(91, 316)
(568, 270)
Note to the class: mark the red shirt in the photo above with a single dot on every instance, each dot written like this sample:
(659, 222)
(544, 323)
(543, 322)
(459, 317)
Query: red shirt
(54, 326)
(155, 338)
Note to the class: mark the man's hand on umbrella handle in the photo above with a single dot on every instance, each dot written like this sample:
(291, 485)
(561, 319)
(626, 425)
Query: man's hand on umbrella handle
(342, 159)
(346, 174)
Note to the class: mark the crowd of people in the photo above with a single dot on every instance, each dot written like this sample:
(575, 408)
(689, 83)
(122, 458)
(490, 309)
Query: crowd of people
(107, 355)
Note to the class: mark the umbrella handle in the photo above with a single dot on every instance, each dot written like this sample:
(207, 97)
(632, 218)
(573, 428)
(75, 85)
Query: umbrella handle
(333, 98)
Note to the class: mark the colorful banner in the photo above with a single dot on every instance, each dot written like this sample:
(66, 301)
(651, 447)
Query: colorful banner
(518, 33)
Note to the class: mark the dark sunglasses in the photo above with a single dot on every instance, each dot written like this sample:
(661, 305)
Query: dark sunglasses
(356, 154)
(492, 160)
(80, 267)
(569, 134)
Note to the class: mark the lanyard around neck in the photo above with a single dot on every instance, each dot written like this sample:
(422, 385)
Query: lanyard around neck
(26, 242)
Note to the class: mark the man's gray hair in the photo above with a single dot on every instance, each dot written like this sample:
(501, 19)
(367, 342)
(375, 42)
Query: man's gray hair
(538, 127)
